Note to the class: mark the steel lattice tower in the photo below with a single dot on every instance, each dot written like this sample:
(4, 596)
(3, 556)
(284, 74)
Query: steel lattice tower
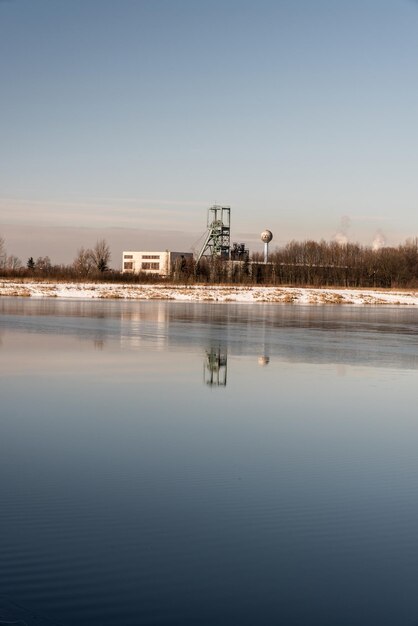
(217, 240)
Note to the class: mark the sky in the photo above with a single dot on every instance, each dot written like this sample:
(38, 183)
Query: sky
(128, 119)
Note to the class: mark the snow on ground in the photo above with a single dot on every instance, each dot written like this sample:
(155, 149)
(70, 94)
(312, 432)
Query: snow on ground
(207, 293)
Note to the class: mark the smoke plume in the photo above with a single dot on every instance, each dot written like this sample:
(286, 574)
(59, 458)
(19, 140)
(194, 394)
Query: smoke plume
(379, 241)
(341, 237)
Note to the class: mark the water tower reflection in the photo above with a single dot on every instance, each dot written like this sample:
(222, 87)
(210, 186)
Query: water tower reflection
(263, 360)
(215, 368)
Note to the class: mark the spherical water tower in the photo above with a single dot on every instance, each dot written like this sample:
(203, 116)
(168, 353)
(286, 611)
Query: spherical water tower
(266, 237)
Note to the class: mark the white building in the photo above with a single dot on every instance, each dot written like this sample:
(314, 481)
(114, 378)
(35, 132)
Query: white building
(157, 263)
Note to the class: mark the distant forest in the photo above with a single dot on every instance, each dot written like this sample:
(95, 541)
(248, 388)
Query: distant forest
(324, 264)
(349, 265)
(307, 263)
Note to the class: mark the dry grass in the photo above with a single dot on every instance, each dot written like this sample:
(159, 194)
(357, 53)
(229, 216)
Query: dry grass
(332, 298)
(21, 293)
(207, 293)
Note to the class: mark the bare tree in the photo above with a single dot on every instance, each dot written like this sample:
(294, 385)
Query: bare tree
(43, 263)
(100, 255)
(13, 262)
(83, 262)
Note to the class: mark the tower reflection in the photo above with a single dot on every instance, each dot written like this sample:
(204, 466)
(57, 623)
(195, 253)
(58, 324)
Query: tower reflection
(215, 368)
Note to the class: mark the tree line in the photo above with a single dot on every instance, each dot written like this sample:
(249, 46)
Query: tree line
(348, 265)
(89, 262)
(306, 263)
(321, 264)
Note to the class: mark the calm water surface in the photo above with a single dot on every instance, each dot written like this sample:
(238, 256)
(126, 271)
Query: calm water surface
(205, 464)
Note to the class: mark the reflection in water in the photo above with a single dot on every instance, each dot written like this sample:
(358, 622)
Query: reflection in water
(302, 334)
(125, 500)
(11, 613)
(263, 360)
(215, 368)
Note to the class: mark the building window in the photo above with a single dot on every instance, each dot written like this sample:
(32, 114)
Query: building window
(150, 266)
(150, 256)
(128, 266)
(128, 256)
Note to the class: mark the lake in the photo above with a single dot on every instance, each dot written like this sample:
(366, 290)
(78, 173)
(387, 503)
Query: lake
(208, 464)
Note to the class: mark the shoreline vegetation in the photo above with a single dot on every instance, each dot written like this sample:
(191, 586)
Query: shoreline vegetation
(207, 293)
(322, 264)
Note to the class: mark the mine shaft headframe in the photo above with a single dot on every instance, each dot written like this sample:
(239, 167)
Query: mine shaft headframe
(218, 238)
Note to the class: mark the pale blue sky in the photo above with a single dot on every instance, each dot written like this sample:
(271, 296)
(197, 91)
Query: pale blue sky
(129, 118)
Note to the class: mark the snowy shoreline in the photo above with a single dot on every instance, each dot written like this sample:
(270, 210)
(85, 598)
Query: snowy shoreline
(208, 293)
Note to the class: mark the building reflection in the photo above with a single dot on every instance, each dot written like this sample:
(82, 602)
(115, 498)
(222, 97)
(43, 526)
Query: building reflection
(146, 323)
(215, 368)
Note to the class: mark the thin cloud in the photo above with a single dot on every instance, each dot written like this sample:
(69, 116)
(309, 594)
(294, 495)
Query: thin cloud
(60, 243)
(84, 213)
(370, 218)
(97, 201)
(150, 201)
